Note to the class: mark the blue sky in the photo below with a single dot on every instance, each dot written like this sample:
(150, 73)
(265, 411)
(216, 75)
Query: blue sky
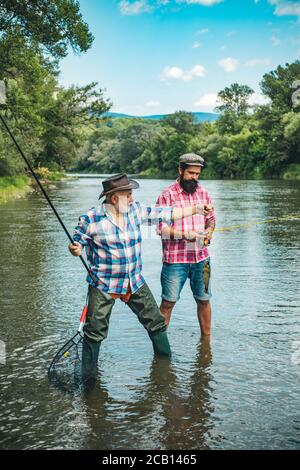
(160, 56)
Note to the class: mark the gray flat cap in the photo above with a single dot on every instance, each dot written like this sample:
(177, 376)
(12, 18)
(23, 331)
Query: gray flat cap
(191, 159)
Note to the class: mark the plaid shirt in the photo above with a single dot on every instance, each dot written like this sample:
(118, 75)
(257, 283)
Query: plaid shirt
(184, 251)
(113, 254)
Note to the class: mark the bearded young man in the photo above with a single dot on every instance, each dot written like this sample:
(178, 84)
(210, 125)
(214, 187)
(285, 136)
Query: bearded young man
(183, 256)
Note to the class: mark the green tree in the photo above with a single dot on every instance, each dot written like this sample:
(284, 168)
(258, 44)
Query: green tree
(46, 118)
(52, 25)
(235, 99)
(277, 85)
(182, 121)
(68, 111)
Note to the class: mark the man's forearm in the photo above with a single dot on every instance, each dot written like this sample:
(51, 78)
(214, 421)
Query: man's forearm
(170, 233)
(181, 212)
(210, 227)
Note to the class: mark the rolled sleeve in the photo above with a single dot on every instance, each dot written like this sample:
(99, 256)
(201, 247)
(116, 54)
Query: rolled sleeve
(162, 202)
(81, 231)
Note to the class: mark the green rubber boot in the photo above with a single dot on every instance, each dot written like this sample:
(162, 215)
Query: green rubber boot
(161, 344)
(90, 354)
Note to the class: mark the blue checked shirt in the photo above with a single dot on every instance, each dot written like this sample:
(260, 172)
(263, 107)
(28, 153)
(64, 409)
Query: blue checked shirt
(113, 254)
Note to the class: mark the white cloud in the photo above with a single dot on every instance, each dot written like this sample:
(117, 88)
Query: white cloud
(134, 8)
(206, 3)
(229, 64)
(275, 40)
(177, 73)
(257, 62)
(230, 33)
(258, 98)
(203, 31)
(197, 71)
(153, 104)
(222, 48)
(196, 45)
(172, 72)
(208, 100)
(286, 7)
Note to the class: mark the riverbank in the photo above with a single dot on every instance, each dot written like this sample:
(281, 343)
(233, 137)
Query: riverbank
(16, 187)
(292, 173)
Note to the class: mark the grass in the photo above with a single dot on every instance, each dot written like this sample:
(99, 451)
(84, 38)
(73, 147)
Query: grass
(13, 187)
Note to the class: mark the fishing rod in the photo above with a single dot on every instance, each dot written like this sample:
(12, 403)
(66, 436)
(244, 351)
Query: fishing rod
(73, 344)
(2, 102)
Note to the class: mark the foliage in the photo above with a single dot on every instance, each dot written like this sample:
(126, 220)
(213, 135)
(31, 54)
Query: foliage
(52, 25)
(243, 143)
(48, 121)
(62, 128)
(292, 172)
(12, 187)
(277, 85)
(234, 99)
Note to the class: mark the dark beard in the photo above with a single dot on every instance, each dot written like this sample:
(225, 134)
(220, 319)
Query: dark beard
(189, 186)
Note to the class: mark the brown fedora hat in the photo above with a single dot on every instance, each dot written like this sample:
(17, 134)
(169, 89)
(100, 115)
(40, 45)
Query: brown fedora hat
(118, 183)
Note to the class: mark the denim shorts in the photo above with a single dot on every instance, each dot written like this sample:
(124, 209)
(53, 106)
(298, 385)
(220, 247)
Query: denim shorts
(173, 277)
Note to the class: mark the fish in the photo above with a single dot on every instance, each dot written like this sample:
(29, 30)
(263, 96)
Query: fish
(206, 275)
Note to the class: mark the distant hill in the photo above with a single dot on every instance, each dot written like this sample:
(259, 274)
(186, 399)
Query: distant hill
(200, 117)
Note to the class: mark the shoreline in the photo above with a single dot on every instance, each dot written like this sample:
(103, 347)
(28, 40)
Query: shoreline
(17, 187)
(14, 187)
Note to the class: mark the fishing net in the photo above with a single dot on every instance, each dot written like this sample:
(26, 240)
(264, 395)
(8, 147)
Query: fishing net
(65, 368)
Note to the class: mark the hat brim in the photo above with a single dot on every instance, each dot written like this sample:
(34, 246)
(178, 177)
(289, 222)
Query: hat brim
(193, 164)
(132, 185)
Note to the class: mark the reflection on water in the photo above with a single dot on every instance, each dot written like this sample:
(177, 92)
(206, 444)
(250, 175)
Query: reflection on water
(240, 390)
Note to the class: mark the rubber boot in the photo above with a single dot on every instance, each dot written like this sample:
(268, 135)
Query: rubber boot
(160, 343)
(90, 354)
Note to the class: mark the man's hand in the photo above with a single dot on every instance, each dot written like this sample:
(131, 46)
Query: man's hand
(75, 249)
(192, 236)
(204, 209)
(208, 208)
(209, 234)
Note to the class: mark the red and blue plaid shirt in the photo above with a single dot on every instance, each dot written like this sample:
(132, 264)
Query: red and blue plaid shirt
(179, 250)
(114, 254)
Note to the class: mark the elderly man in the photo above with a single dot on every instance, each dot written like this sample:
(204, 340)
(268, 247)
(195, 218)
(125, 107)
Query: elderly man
(183, 256)
(111, 235)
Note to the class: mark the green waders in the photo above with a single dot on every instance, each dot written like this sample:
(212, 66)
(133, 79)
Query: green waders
(142, 303)
(90, 354)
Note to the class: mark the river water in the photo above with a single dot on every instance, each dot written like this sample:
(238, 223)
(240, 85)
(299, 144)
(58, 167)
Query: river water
(238, 391)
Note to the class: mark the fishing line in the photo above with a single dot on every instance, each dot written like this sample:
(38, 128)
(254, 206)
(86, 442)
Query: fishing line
(257, 222)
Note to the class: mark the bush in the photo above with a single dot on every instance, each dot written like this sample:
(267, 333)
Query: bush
(44, 173)
(292, 172)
